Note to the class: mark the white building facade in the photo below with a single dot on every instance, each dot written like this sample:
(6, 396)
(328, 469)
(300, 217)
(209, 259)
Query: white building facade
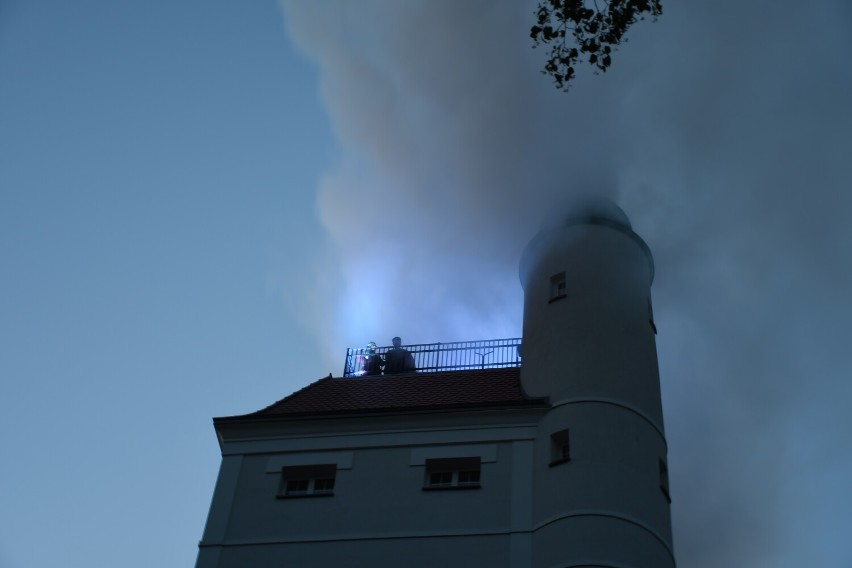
(559, 462)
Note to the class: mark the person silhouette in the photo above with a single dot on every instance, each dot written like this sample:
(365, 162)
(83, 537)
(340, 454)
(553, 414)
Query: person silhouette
(373, 365)
(399, 360)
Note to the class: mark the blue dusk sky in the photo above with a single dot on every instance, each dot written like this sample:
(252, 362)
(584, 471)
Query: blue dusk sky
(202, 204)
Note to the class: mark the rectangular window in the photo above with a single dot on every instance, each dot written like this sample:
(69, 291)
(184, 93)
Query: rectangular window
(307, 480)
(441, 479)
(560, 449)
(324, 486)
(664, 480)
(453, 473)
(557, 286)
(469, 477)
(297, 487)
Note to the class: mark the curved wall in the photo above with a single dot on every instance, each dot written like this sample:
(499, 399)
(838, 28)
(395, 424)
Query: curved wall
(589, 346)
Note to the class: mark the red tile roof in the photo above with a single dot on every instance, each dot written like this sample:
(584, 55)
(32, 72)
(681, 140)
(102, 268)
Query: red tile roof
(450, 389)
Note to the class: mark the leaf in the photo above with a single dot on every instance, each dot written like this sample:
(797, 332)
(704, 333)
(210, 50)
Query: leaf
(593, 30)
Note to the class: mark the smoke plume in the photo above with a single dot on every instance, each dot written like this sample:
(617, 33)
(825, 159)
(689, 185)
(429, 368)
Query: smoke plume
(723, 130)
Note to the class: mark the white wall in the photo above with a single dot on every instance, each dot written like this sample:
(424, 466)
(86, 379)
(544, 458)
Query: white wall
(379, 514)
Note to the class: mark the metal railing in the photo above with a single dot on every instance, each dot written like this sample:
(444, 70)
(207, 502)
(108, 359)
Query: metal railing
(433, 357)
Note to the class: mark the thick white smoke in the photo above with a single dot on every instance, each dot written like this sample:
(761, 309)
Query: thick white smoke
(723, 130)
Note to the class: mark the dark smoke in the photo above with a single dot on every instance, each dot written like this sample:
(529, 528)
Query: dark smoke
(723, 130)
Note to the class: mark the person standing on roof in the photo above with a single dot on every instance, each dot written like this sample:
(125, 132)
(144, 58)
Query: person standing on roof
(399, 360)
(373, 365)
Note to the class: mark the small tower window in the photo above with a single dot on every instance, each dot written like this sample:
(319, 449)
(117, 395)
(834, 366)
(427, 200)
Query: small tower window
(557, 287)
(664, 480)
(560, 449)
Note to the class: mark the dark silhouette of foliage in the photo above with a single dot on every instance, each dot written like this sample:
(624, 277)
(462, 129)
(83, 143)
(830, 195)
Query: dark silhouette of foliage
(576, 31)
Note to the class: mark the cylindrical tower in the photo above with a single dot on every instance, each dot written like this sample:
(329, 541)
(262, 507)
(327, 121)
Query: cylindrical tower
(588, 344)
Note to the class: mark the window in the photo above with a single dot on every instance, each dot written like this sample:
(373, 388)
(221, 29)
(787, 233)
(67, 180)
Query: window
(324, 486)
(307, 480)
(453, 473)
(470, 477)
(441, 479)
(560, 450)
(297, 487)
(557, 287)
(664, 480)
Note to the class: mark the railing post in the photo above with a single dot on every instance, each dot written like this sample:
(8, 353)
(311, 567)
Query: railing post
(346, 362)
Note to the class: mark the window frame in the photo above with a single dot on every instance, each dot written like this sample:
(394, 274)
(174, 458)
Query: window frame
(455, 473)
(558, 287)
(307, 478)
(560, 447)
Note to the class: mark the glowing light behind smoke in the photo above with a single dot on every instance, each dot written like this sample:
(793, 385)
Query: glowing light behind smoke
(446, 175)
(362, 310)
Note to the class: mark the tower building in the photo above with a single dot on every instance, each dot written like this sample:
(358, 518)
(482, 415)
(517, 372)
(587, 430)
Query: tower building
(589, 347)
(545, 453)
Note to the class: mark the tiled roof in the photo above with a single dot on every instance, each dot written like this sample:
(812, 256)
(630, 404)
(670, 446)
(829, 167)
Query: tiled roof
(450, 389)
